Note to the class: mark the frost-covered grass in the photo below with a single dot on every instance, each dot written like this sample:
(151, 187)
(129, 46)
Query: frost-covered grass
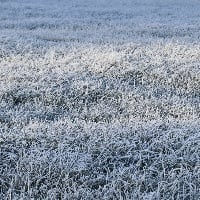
(99, 99)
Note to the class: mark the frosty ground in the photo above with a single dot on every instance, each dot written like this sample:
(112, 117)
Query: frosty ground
(99, 99)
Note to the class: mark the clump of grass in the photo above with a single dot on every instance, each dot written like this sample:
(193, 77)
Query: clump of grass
(160, 160)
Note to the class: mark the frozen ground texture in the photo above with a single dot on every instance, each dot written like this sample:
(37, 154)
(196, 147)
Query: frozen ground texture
(100, 99)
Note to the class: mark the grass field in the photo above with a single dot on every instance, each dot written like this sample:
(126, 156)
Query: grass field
(100, 99)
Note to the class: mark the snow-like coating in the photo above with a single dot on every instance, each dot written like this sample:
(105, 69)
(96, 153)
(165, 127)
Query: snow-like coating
(100, 99)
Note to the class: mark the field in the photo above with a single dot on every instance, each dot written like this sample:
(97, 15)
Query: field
(100, 99)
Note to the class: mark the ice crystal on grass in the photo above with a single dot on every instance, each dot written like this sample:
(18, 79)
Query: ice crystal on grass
(99, 100)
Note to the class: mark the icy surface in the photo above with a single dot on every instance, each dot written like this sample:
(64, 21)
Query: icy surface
(99, 99)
